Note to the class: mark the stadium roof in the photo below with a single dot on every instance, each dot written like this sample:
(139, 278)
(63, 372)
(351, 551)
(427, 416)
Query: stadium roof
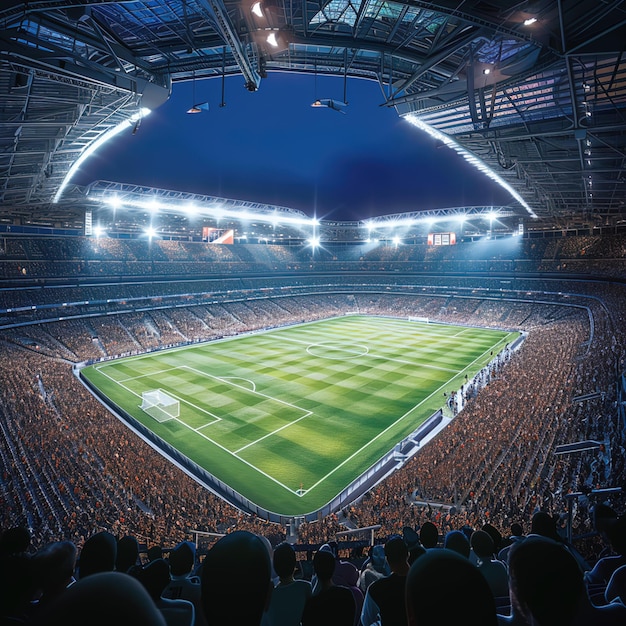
(535, 89)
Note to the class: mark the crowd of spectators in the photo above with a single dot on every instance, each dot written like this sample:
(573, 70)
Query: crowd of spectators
(71, 469)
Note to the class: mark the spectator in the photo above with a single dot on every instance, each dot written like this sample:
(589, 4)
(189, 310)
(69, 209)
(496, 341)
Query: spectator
(236, 580)
(290, 596)
(494, 571)
(104, 599)
(127, 554)
(155, 577)
(444, 588)
(98, 554)
(385, 598)
(375, 567)
(330, 604)
(547, 585)
(429, 535)
(183, 585)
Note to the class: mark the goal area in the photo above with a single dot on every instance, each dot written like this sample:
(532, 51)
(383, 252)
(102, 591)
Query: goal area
(159, 405)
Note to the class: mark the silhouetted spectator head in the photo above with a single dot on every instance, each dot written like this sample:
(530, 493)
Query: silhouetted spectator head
(482, 544)
(429, 535)
(544, 525)
(396, 552)
(182, 559)
(457, 541)
(444, 588)
(154, 553)
(53, 567)
(127, 553)
(98, 554)
(155, 576)
(236, 580)
(495, 535)
(546, 581)
(284, 560)
(105, 599)
(517, 530)
(14, 541)
(603, 515)
(324, 565)
(411, 538)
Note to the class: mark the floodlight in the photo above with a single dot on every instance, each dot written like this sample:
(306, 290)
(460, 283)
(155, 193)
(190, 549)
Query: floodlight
(487, 71)
(113, 201)
(256, 9)
(94, 145)
(152, 205)
(151, 232)
(314, 242)
(530, 21)
(98, 231)
(492, 215)
(271, 40)
(396, 240)
(469, 157)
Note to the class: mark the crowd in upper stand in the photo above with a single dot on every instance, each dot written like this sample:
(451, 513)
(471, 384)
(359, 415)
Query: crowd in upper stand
(70, 469)
(91, 257)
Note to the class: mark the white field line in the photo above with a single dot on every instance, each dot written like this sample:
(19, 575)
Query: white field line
(214, 442)
(382, 432)
(381, 358)
(275, 431)
(128, 378)
(256, 393)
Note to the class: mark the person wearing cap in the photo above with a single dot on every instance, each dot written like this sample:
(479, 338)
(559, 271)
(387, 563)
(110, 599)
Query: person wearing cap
(375, 567)
(385, 598)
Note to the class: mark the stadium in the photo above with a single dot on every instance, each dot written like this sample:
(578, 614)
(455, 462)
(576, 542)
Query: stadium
(178, 366)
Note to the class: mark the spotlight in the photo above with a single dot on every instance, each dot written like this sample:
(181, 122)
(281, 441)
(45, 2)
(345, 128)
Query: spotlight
(272, 41)
(530, 21)
(256, 9)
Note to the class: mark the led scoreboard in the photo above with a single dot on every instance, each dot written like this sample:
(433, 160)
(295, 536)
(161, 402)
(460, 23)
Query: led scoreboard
(441, 239)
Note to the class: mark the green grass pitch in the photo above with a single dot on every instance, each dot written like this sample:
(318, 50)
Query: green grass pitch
(289, 417)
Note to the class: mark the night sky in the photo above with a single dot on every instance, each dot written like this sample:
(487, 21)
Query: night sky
(271, 146)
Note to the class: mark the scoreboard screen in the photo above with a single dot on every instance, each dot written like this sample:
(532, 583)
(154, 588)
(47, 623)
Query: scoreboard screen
(441, 239)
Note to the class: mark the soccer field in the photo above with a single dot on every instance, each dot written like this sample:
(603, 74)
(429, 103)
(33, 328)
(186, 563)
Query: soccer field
(289, 417)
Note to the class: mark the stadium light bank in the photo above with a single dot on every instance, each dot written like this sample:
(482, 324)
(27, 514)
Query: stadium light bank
(95, 145)
(154, 205)
(470, 158)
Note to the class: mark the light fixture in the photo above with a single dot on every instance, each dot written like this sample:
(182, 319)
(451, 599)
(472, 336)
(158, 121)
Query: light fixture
(530, 21)
(256, 9)
(196, 107)
(94, 145)
(486, 71)
(271, 40)
(331, 103)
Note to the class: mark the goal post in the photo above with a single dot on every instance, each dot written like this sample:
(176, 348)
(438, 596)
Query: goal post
(159, 405)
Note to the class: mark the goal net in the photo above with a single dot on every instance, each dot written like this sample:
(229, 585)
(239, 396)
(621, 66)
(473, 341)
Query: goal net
(159, 405)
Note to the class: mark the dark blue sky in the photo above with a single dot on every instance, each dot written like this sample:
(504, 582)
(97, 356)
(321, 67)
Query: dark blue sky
(271, 146)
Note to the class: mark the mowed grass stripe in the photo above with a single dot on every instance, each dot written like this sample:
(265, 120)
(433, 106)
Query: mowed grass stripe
(245, 401)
